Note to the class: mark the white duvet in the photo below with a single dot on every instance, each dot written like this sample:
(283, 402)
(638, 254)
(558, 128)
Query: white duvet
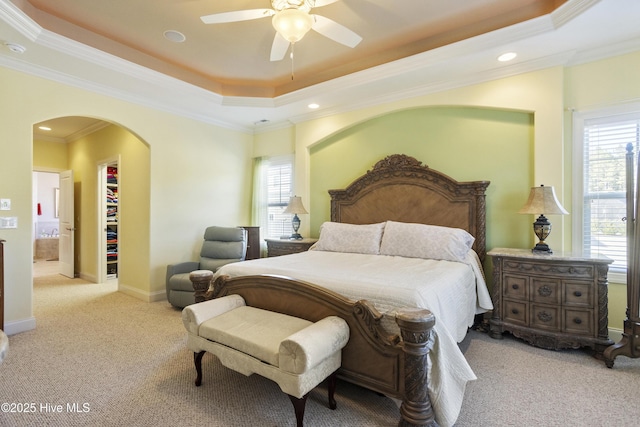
(454, 292)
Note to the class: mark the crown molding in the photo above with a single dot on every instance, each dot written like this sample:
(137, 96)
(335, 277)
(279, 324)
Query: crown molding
(570, 10)
(152, 89)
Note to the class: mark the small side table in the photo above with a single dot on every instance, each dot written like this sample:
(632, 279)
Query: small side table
(277, 247)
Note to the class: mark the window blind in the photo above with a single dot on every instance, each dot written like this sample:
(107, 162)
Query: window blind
(604, 204)
(279, 188)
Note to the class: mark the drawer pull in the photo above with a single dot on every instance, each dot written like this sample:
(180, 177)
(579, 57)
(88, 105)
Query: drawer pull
(545, 290)
(515, 286)
(578, 293)
(514, 311)
(577, 320)
(545, 317)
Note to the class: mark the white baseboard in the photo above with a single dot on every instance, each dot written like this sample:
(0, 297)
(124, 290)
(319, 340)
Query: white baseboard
(142, 295)
(17, 326)
(88, 277)
(615, 334)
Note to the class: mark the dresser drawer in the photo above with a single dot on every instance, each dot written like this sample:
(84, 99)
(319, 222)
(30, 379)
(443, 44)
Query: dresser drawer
(545, 291)
(578, 294)
(545, 317)
(578, 321)
(516, 287)
(516, 312)
(577, 271)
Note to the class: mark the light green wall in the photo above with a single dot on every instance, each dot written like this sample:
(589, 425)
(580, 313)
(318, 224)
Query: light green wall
(468, 144)
(538, 96)
(199, 175)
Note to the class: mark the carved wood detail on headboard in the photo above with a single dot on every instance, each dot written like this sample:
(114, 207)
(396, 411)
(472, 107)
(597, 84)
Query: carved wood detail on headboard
(401, 188)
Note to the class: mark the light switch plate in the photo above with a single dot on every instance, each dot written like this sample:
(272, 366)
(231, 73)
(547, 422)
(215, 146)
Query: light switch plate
(8, 222)
(5, 204)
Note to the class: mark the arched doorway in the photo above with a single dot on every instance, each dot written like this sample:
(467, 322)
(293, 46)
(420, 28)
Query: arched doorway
(82, 145)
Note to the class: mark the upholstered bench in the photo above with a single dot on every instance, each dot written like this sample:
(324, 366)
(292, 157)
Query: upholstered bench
(295, 353)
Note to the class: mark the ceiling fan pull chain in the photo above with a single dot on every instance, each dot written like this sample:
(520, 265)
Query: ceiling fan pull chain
(291, 55)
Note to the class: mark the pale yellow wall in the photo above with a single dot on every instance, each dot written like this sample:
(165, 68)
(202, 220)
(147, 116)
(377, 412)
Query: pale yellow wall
(602, 85)
(274, 143)
(50, 156)
(184, 197)
(199, 176)
(134, 184)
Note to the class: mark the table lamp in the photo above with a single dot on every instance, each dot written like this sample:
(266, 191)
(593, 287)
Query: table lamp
(295, 207)
(542, 200)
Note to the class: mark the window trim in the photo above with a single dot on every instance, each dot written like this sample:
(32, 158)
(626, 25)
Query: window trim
(286, 159)
(579, 118)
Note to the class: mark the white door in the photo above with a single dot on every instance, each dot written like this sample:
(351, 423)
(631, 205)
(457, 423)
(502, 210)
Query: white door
(67, 225)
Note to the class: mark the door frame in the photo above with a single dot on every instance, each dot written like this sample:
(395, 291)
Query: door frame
(101, 191)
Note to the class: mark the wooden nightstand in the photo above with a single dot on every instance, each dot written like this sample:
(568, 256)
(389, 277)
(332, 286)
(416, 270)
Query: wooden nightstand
(277, 247)
(551, 301)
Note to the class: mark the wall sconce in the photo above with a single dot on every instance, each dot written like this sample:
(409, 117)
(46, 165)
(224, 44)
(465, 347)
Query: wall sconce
(542, 200)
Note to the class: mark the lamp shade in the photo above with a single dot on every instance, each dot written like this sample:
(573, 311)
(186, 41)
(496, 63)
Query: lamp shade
(292, 24)
(543, 200)
(295, 206)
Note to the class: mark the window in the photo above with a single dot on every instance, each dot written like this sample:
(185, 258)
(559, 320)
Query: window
(274, 186)
(602, 199)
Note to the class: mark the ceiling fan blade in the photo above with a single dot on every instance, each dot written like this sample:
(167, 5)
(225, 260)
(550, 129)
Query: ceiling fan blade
(336, 32)
(320, 3)
(235, 16)
(279, 47)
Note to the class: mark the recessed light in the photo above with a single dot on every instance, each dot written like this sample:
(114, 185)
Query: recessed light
(47, 128)
(174, 36)
(313, 106)
(15, 48)
(507, 56)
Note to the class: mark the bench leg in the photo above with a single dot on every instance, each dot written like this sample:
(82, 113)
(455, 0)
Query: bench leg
(197, 360)
(298, 406)
(332, 381)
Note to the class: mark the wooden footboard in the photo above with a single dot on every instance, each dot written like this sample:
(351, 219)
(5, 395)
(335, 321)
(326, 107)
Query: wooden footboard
(389, 364)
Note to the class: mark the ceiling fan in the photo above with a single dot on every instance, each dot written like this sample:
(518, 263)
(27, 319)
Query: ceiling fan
(292, 20)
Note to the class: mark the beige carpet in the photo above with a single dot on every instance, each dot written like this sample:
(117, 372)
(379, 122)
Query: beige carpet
(102, 358)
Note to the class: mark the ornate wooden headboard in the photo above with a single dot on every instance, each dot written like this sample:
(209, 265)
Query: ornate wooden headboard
(401, 188)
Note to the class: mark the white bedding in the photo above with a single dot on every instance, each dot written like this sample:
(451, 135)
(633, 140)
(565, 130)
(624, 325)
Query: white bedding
(454, 292)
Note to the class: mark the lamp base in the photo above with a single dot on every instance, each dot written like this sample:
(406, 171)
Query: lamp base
(542, 248)
(296, 236)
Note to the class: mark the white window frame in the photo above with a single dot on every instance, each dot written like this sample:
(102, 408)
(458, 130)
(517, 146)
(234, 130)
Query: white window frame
(275, 224)
(617, 274)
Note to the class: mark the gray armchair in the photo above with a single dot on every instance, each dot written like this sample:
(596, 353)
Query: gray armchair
(222, 245)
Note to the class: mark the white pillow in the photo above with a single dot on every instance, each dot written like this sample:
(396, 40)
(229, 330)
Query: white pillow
(425, 241)
(360, 239)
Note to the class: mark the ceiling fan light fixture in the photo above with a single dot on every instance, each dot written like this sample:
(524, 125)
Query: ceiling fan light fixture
(292, 24)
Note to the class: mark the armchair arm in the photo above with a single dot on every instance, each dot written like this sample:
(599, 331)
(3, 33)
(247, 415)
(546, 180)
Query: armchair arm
(193, 315)
(182, 267)
(306, 348)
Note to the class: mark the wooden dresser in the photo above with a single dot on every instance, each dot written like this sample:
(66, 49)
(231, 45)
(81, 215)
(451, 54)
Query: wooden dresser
(277, 247)
(551, 301)
(253, 242)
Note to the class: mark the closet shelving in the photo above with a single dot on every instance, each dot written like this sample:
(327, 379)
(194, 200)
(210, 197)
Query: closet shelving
(112, 222)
